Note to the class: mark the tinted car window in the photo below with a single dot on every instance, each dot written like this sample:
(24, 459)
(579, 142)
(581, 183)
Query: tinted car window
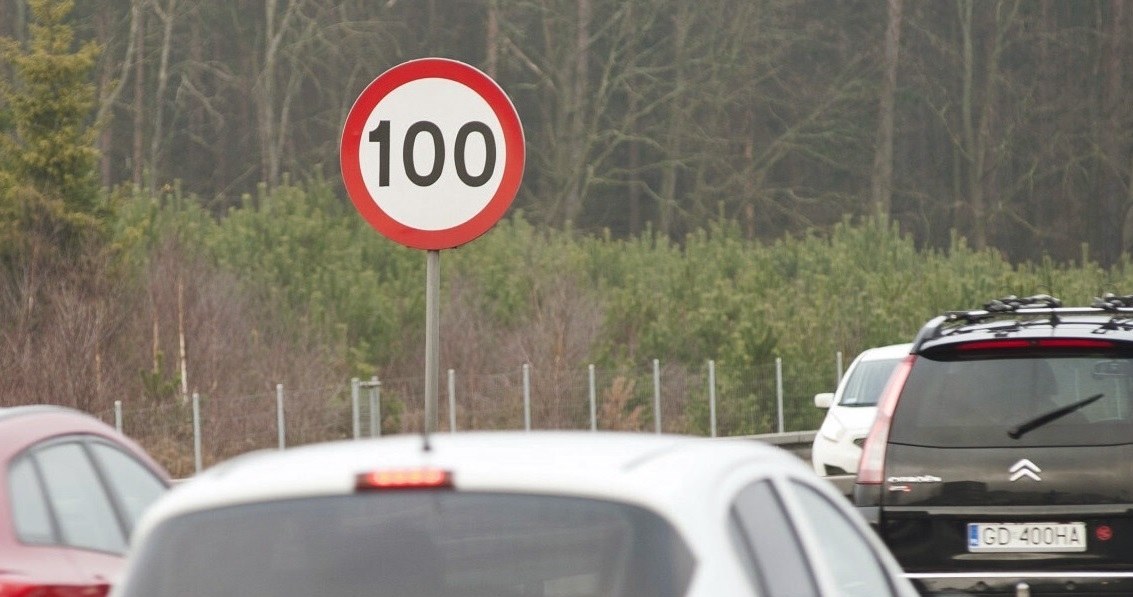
(848, 556)
(134, 486)
(780, 562)
(416, 544)
(85, 515)
(975, 402)
(30, 517)
(864, 386)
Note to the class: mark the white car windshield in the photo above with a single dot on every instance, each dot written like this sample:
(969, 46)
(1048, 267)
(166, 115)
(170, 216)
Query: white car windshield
(866, 382)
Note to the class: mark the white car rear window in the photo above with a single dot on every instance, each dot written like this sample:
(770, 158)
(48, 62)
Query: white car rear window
(416, 544)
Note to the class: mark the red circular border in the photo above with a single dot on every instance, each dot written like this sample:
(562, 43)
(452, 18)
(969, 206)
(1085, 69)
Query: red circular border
(350, 162)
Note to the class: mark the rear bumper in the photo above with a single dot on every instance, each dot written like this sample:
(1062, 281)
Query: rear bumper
(1023, 584)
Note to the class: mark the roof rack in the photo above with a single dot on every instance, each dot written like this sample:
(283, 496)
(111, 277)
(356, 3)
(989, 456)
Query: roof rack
(1113, 302)
(1014, 303)
(1039, 306)
(1009, 305)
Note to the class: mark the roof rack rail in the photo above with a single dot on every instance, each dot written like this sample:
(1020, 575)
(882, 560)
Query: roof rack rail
(1041, 303)
(1014, 303)
(1112, 302)
(1120, 307)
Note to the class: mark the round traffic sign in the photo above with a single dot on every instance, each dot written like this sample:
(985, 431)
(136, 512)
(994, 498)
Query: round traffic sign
(432, 153)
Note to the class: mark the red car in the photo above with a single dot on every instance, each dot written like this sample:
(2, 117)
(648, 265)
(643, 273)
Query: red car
(71, 489)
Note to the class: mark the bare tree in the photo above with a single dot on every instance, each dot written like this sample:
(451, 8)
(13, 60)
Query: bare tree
(1115, 178)
(273, 103)
(883, 155)
(138, 158)
(167, 15)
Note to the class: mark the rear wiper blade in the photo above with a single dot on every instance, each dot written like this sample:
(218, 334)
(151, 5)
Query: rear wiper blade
(1043, 419)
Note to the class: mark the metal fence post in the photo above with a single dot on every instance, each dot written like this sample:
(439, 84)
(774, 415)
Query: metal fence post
(712, 396)
(375, 407)
(355, 388)
(526, 397)
(118, 415)
(197, 460)
(838, 358)
(280, 423)
(593, 400)
(657, 394)
(451, 401)
(779, 389)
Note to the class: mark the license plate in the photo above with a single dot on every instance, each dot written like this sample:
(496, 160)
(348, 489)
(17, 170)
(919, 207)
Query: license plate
(1028, 537)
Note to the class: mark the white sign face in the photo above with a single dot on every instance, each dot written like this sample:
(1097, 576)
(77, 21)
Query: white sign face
(423, 162)
(432, 153)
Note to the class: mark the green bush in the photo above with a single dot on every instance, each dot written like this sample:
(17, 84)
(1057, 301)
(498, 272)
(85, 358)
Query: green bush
(715, 296)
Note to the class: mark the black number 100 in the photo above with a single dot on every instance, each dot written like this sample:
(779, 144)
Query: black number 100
(380, 135)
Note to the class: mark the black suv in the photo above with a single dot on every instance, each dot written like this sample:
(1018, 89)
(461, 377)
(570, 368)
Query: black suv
(1001, 459)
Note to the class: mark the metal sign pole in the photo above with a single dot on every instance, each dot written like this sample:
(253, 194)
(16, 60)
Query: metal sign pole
(432, 337)
(389, 193)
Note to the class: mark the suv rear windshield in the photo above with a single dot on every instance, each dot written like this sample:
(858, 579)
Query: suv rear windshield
(948, 402)
(416, 544)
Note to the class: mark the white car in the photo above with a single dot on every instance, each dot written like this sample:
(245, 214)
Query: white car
(501, 514)
(852, 408)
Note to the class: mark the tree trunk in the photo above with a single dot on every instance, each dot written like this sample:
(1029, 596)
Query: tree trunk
(1113, 192)
(166, 15)
(579, 101)
(974, 214)
(139, 101)
(273, 110)
(112, 94)
(492, 49)
(677, 116)
(882, 182)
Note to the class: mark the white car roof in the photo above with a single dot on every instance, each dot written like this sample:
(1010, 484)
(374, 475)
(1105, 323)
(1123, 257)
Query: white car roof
(664, 472)
(891, 351)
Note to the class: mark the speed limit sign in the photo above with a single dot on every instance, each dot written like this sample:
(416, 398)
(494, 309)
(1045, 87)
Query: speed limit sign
(432, 153)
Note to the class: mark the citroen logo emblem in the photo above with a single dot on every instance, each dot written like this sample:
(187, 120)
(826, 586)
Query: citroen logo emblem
(1025, 468)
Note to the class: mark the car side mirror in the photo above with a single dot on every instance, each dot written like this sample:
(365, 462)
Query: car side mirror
(824, 399)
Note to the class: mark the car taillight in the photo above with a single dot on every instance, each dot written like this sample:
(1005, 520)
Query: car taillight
(409, 478)
(871, 467)
(26, 589)
(1016, 344)
(9, 589)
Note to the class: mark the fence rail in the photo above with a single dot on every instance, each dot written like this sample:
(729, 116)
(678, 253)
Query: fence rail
(770, 399)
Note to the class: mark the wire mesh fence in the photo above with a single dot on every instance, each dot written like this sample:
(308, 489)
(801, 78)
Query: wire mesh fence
(189, 434)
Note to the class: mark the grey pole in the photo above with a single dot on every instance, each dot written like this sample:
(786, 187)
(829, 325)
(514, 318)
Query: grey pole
(593, 401)
(839, 360)
(779, 389)
(657, 394)
(280, 425)
(526, 397)
(355, 407)
(432, 337)
(118, 415)
(451, 401)
(375, 407)
(712, 396)
(197, 460)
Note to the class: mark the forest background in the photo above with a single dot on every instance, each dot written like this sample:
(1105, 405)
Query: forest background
(731, 181)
